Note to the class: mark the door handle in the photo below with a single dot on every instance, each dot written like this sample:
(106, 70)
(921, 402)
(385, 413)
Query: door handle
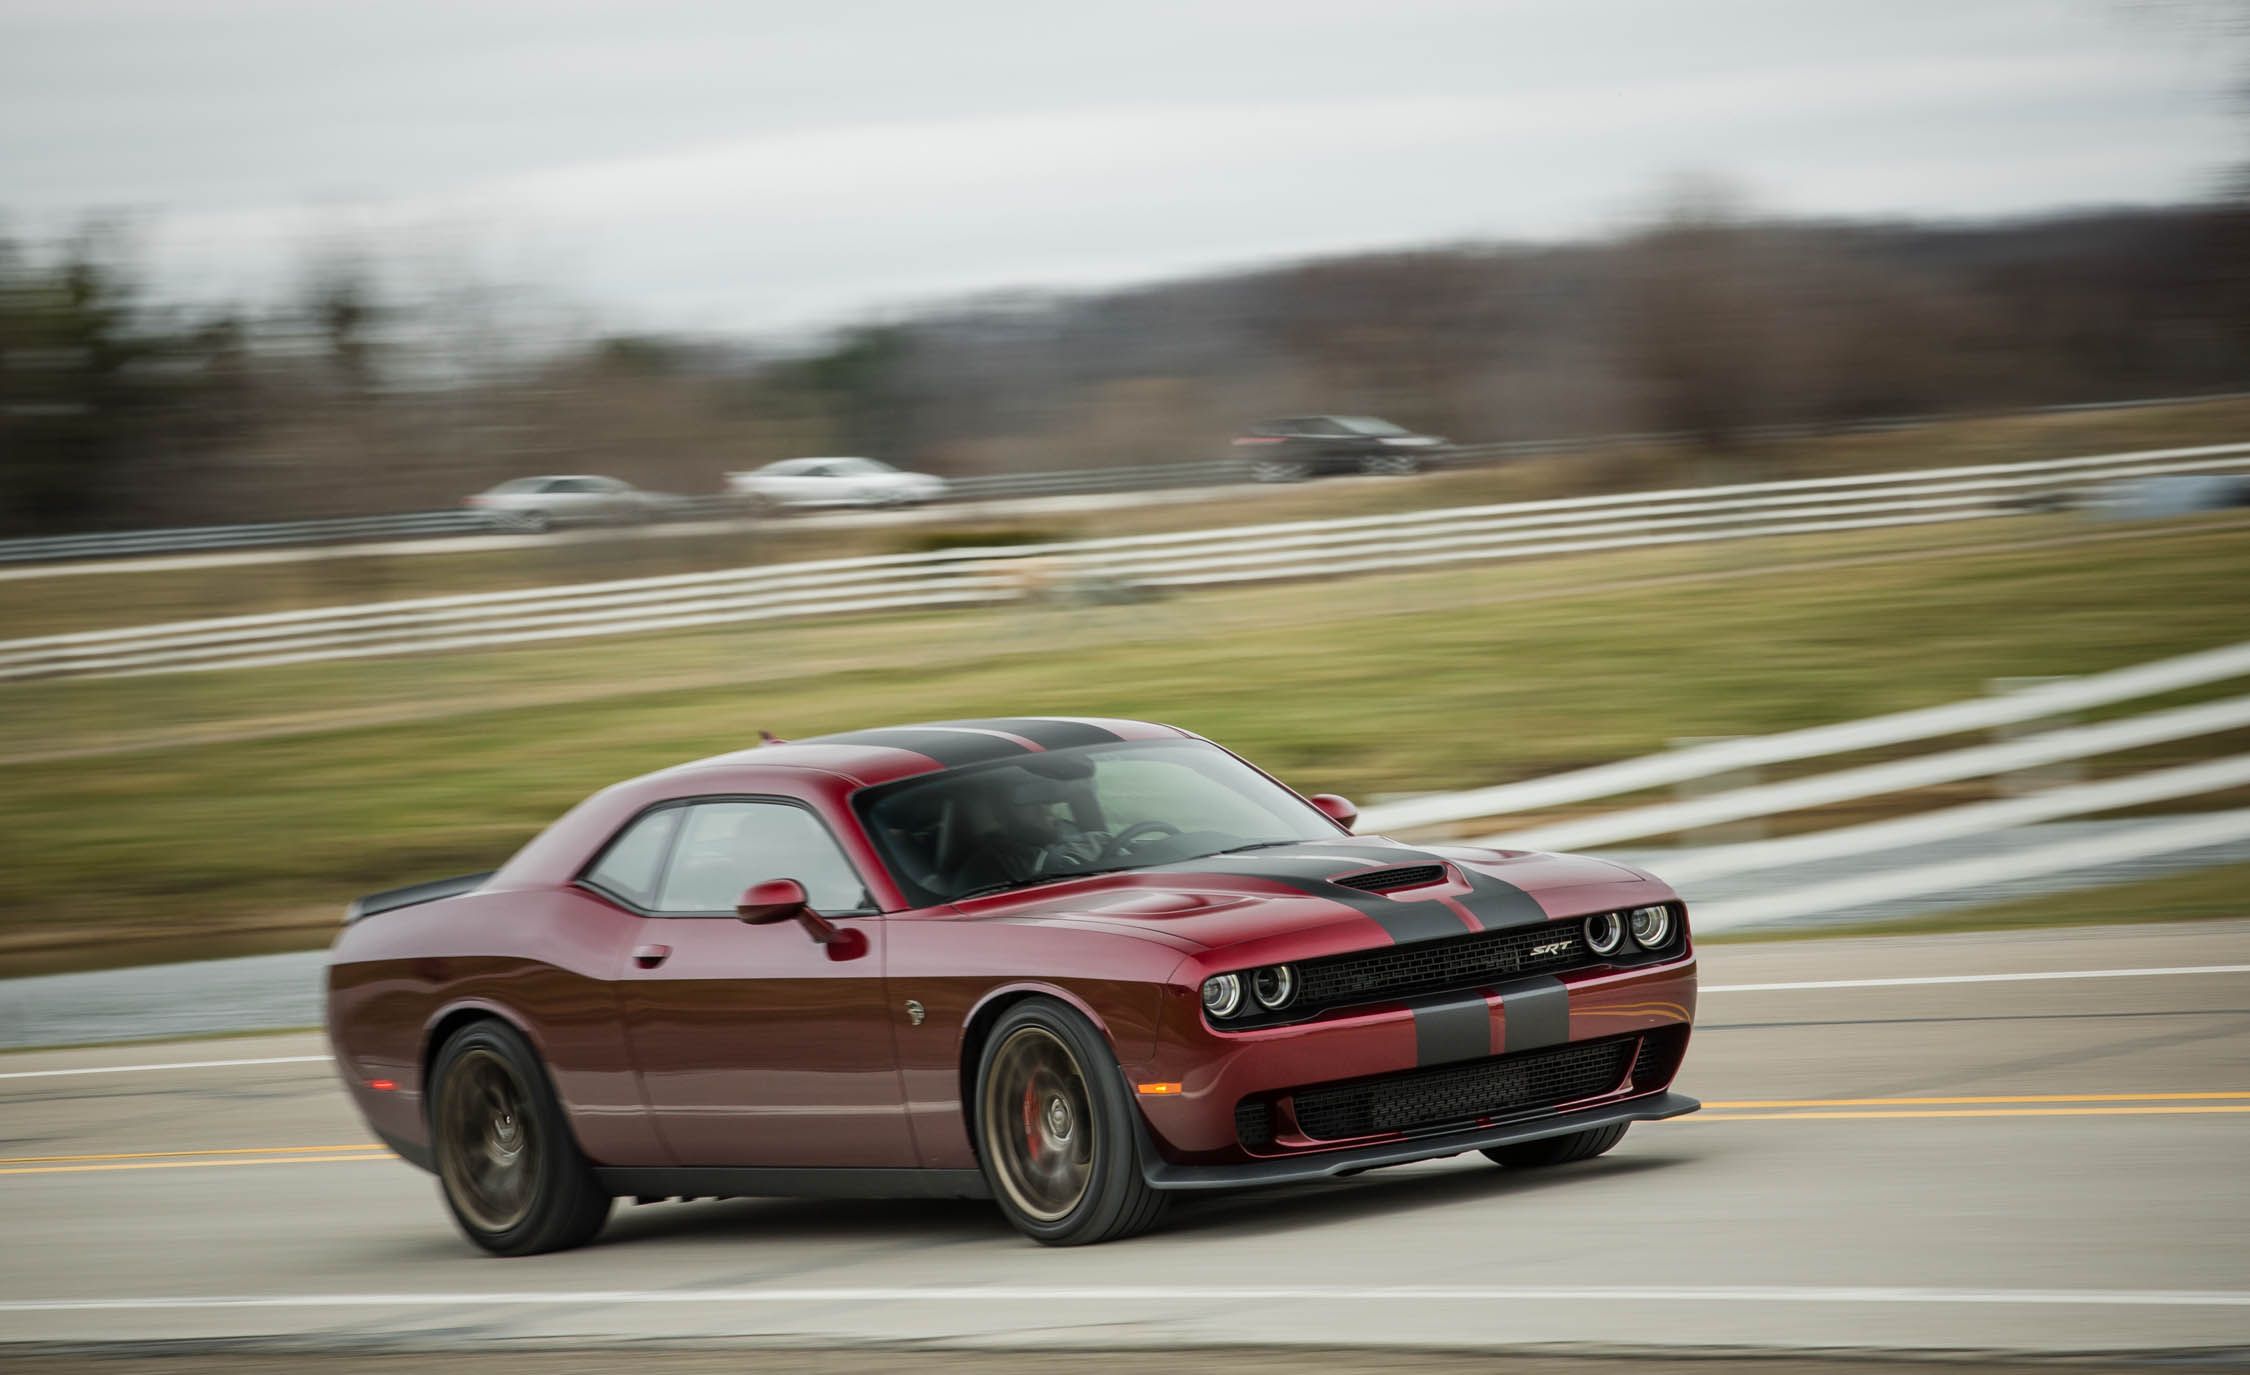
(650, 956)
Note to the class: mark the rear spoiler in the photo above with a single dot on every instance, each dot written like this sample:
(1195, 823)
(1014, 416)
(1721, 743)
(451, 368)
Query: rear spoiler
(414, 894)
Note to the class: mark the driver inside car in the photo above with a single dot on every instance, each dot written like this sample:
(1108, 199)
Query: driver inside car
(1029, 832)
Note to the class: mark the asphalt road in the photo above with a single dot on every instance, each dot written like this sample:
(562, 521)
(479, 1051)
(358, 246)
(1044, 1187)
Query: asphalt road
(2052, 1160)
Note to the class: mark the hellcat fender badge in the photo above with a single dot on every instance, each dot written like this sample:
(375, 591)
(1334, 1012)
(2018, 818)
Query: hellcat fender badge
(914, 1012)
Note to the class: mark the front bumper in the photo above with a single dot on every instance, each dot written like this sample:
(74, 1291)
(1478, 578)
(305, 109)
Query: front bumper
(1162, 1174)
(1262, 1071)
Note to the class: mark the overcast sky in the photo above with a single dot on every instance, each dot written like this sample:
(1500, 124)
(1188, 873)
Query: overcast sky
(737, 164)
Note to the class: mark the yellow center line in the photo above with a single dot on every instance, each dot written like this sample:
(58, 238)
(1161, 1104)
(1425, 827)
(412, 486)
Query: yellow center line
(2180, 1108)
(1988, 1098)
(168, 1155)
(195, 1164)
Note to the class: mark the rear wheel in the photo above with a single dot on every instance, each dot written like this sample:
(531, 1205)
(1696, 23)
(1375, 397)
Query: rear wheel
(507, 1164)
(1280, 470)
(1558, 1150)
(1054, 1131)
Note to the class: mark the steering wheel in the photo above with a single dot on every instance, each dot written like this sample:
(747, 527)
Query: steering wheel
(1124, 839)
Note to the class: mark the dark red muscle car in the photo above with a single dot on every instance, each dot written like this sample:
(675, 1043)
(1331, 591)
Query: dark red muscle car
(1075, 966)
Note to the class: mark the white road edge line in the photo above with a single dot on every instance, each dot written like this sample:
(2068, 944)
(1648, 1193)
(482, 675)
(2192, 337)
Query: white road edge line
(1919, 979)
(1813, 1294)
(183, 1064)
(1906, 982)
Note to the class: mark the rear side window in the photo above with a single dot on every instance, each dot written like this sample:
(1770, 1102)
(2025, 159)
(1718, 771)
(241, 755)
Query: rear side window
(634, 862)
(725, 847)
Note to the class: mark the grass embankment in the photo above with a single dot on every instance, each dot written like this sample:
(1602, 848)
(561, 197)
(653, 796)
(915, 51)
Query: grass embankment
(1367, 686)
(89, 601)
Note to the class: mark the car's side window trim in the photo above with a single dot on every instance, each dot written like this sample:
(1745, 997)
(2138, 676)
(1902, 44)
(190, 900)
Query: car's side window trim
(585, 879)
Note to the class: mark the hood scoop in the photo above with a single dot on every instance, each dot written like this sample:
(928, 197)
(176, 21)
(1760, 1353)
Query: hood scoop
(1387, 880)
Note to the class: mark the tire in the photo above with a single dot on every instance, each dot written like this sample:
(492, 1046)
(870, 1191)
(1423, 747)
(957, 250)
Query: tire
(1280, 470)
(1558, 1150)
(534, 522)
(1390, 465)
(507, 1164)
(1054, 1131)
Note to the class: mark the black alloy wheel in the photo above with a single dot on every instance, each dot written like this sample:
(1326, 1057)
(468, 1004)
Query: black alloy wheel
(1054, 1132)
(507, 1164)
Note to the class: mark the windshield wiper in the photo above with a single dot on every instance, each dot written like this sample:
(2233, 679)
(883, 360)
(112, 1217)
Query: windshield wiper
(1253, 845)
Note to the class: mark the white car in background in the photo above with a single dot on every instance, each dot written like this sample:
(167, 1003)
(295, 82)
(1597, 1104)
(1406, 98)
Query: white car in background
(834, 482)
(541, 503)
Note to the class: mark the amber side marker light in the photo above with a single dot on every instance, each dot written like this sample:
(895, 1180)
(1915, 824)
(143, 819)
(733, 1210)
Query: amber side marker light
(382, 1085)
(1156, 1090)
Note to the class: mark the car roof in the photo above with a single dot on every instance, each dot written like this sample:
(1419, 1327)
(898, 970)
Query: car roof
(888, 753)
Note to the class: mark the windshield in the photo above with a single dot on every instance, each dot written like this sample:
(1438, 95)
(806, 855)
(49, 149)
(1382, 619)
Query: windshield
(1094, 809)
(1367, 424)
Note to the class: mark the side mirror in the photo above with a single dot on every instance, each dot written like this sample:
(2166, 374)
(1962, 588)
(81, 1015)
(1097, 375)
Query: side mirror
(784, 899)
(775, 900)
(1337, 809)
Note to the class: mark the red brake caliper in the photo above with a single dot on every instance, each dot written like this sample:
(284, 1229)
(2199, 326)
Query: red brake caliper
(1031, 1120)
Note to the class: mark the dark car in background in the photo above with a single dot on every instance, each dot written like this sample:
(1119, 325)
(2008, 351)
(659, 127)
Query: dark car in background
(1305, 446)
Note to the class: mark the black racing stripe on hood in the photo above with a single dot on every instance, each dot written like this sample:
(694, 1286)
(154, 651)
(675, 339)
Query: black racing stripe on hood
(1049, 735)
(1404, 922)
(1498, 903)
(951, 748)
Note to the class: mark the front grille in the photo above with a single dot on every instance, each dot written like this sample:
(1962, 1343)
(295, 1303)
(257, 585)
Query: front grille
(1432, 966)
(1385, 880)
(1456, 1095)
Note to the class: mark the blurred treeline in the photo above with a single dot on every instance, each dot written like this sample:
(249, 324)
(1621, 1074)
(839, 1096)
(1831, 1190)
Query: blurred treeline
(121, 408)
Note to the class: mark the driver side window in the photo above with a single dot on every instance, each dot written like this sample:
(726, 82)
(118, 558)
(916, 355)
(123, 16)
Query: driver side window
(725, 847)
(698, 859)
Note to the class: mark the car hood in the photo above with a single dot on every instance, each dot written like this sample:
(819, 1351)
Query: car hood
(1286, 902)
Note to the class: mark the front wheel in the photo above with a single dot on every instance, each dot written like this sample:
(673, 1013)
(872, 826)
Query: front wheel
(507, 1164)
(1054, 1131)
(1558, 1150)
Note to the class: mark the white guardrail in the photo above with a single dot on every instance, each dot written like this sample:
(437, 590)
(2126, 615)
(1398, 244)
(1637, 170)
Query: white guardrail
(2146, 839)
(1300, 549)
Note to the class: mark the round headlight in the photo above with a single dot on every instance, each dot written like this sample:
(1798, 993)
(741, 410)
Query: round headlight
(1222, 994)
(1605, 931)
(1274, 986)
(1652, 927)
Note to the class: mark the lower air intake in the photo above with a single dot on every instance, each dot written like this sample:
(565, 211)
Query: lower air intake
(1460, 1095)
